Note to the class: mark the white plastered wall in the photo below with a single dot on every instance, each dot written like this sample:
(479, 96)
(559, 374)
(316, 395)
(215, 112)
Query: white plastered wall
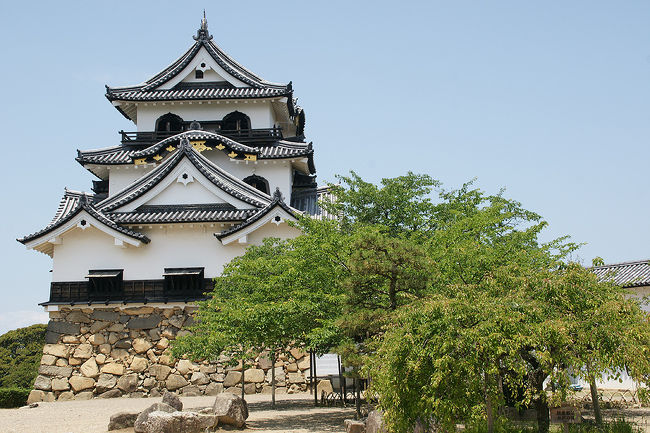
(279, 172)
(260, 113)
(121, 176)
(177, 245)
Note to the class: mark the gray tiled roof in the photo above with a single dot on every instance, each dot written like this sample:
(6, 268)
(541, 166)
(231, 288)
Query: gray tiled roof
(71, 204)
(215, 174)
(182, 213)
(118, 155)
(196, 94)
(194, 135)
(628, 274)
(259, 88)
(277, 201)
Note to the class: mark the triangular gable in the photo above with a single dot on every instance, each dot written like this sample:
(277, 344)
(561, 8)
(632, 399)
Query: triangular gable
(203, 61)
(276, 212)
(185, 184)
(76, 211)
(183, 164)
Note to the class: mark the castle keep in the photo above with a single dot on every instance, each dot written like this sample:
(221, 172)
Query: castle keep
(218, 162)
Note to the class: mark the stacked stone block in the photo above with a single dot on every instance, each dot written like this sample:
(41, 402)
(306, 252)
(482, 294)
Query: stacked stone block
(113, 352)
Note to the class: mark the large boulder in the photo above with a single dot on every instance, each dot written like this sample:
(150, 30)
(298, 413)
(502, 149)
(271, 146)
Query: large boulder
(128, 382)
(122, 420)
(79, 383)
(231, 409)
(353, 426)
(172, 399)
(89, 368)
(254, 375)
(106, 382)
(177, 422)
(43, 383)
(375, 423)
(160, 371)
(144, 415)
(233, 378)
(175, 381)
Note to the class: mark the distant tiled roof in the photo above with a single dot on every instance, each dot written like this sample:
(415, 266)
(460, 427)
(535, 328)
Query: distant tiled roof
(628, 274)
(71, 204)
(215, 174)
(182, 213)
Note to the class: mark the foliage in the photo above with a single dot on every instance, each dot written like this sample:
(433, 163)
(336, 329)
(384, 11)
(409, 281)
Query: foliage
(20, 356)
(444, 303)
(615, 426)
(13, 397)
(274, 296)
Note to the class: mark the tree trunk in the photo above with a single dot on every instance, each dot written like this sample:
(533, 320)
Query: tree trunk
(392, 289)
(543, 421)
(243, 369)
(489, 409)
(594, 398)
(273, 380)
(357, 388)
(312, 374)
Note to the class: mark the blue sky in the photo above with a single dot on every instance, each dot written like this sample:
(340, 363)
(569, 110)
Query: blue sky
(549, 100)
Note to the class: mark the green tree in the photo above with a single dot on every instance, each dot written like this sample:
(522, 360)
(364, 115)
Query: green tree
(274, 297)
(20, 356)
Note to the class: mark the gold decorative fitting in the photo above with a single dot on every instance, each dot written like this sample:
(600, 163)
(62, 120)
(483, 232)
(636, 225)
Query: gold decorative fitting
(170, 148)
(232, 154)
(250, 157)
(200, 146)
(220, 146)
(140, 161)
(157, 157)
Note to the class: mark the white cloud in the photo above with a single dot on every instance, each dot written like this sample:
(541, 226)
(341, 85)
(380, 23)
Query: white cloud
(17, 319)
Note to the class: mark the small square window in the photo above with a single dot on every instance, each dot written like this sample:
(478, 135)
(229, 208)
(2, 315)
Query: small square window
(183, 281)
(198, 74)
(105, 283)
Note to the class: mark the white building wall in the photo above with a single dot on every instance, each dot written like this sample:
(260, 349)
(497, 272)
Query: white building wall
(279, 173)
(119, 177)
(260, 112)
(171, 246)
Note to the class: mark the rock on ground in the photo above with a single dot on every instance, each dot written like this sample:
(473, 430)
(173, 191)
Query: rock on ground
(353, 426)
(231, 409)
(138, 425)
(122, 420)
(172, 399)
(375, 423)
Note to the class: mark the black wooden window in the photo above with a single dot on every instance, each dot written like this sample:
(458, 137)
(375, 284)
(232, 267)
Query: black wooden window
(105, 283)
(258, 182)
(183, 281)
(198, 74)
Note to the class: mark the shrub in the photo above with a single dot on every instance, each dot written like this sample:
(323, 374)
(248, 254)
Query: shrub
(615, 426)
(20, 356)
(13, 397)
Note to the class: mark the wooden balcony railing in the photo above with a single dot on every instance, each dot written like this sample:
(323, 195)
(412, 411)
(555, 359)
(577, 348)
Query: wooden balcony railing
(145, 138)
(77, 292)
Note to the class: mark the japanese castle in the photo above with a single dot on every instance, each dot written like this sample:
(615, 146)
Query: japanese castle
(218, 162)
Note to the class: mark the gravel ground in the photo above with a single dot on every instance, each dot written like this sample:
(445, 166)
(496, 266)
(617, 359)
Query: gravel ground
(294, 414)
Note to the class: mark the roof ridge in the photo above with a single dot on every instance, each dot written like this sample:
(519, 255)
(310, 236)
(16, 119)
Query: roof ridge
(612, 265)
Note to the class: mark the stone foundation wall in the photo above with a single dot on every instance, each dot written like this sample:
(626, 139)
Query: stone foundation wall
(125, 351)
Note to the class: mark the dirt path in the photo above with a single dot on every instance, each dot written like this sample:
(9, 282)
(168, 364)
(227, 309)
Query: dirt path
(294, 414)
